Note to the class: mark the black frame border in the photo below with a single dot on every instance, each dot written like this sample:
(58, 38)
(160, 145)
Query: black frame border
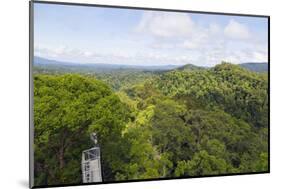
(31, 57)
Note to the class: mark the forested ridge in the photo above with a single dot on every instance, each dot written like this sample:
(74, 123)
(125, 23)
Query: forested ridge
(179, 123)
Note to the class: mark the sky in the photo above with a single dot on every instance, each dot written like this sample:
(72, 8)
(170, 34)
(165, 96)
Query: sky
(83, 34)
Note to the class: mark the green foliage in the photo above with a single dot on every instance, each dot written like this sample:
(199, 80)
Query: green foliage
(237, 91)
(201, 164)
(170, 133)
(262, 163)
(66, 108)
(186, 122)
(119, 80)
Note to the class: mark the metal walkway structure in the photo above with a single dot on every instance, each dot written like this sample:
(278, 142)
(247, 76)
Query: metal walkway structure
(91, 163)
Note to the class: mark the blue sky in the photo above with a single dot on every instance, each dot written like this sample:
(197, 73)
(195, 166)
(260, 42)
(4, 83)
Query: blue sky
(140, 37)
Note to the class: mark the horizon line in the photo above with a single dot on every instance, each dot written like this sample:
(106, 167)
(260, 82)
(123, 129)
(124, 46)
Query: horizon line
(143, 65)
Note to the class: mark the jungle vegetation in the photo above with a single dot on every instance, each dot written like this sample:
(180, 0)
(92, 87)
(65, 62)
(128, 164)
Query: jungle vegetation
(177, 123)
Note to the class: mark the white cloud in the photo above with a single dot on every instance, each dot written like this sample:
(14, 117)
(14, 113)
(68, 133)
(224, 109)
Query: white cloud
(189, 44)
(260, 56)
(158, 44)
(162, 24)
(61, 51)
(203, 36)
(201, 44)
(112, 56)
(172, 38)
(88, 54)
(208, 55)
(244, 56)
(197, 41)
(214, 29)
(236, 30)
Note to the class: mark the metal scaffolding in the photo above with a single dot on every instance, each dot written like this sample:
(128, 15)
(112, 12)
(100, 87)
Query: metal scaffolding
(91, 163)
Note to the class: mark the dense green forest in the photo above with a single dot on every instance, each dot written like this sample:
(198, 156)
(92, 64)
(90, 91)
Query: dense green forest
(185, 122)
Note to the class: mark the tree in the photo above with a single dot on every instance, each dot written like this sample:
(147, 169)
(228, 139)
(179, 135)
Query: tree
(169, 132)
(201, 164)
(66, 108)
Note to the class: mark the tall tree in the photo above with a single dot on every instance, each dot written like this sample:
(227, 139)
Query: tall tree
(66, 109)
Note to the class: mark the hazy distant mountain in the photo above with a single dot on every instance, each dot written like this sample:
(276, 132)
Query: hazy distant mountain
(256, 67)
(60, 66)
(44, 61)
(78, 67)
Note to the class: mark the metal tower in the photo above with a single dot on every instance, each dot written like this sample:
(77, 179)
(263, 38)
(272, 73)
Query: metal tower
(91, 164)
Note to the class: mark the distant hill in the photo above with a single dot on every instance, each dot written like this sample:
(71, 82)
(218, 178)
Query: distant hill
(44, 61)
(188, 67)
(256, 67)
(53, 65)
(252, 66)
(47, 65)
